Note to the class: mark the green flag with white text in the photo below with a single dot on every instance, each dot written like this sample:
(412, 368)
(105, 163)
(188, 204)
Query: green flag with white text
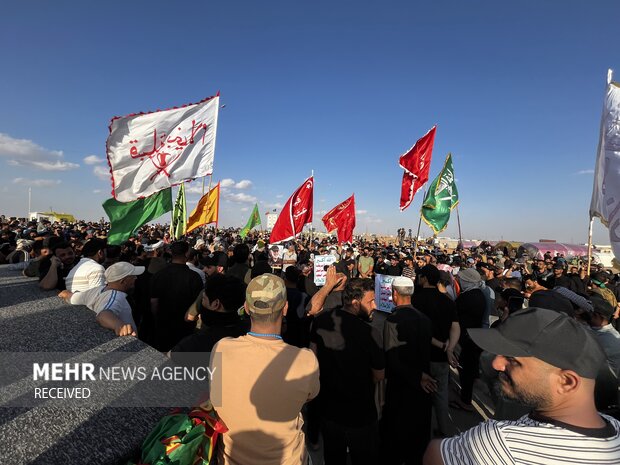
(126, 218)
(252, 221)
(441, 198)
(179, 215)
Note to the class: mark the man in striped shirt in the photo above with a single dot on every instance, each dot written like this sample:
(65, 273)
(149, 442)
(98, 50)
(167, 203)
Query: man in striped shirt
(89, 271)
(109, 302)
(547, 361)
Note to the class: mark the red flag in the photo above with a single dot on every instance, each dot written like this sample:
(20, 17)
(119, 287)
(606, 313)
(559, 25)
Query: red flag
(296, 213)
(342, 217)
(416, 163)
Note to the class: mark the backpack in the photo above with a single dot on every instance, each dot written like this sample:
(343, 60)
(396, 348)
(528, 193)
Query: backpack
(183, 439)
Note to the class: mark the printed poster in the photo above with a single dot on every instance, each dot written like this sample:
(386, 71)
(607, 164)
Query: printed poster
(383, 292)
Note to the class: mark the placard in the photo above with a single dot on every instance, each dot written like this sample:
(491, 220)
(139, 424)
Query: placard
(383, 292)
(320, 261)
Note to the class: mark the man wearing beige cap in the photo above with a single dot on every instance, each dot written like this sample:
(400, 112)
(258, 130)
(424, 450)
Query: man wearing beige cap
(109, 302)
(260, 384)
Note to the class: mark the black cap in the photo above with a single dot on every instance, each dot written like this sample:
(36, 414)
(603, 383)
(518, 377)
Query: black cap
(292, 274)
(552, 300)
(431, 273)
(602, 306)
(215, 259)
(548, 335)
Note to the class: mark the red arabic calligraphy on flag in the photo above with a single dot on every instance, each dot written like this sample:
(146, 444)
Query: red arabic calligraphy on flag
(342, 217)
(149, 152)
(296, 213)
(417, 163)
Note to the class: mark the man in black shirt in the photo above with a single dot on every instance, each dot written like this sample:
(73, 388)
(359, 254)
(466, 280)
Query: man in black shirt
(297, 327)
(406, 421)
(173, 290)
(240, 266)
(470, 305)
(381, 265)
(394, 268)
(351, 362)
(221, 300)
(490, 278)
(580, 282)
(559, 278)
(55, 267)
(441, 310)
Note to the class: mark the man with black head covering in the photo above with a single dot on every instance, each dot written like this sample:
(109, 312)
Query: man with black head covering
(221, 300)
(608, 337)
(216, 262)
(559, 278)
(173, 290)
(240, 266)
(471, 305)
(441, 311)
(542, 297)
(394, 268)
(549, 362)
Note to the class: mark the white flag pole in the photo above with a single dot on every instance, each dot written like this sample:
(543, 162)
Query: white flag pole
(312, 219)
(590, 246)
(610, 74)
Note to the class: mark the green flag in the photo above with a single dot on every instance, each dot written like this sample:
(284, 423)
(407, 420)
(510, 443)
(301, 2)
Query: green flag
(252, 221)
(179, 215)
(441, 198)
(126, 218)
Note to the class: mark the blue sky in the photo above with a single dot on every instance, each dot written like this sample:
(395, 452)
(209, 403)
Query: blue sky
(341, 88)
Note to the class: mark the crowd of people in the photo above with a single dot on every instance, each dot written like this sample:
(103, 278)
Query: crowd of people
(308, 367)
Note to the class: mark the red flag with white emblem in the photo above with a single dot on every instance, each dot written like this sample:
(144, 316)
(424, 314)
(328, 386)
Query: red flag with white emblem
(296, 213)
(417, 163)
(342, 217)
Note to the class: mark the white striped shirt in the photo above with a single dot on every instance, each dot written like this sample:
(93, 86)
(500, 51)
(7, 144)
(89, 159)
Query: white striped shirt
(531, 442)
(85, 275)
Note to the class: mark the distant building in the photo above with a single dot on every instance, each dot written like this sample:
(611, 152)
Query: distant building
(51, 216)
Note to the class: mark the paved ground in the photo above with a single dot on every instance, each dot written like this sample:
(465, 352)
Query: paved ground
(35, 321)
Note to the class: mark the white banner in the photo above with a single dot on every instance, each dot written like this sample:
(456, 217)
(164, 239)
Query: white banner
(153, 151)
(606, 191)
(383, 292)
(320, 262)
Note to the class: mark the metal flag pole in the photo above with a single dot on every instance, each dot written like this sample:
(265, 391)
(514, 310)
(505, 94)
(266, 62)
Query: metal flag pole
(590, 246)
(312, 219)
(417, 236)
(458, 221)
(170, 229)
(29, 202)
(610, 74)
(204, 227)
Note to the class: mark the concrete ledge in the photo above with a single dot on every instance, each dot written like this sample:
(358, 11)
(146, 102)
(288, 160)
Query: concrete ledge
(32, 320)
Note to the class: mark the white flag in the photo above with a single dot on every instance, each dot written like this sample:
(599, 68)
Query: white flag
(606, 191)
(149, 152)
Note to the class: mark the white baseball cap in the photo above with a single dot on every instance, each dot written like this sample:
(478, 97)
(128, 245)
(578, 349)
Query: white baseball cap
(121, 270)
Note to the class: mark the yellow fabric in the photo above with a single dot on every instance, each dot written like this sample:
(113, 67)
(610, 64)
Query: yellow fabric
(258, 389)
(206, 211)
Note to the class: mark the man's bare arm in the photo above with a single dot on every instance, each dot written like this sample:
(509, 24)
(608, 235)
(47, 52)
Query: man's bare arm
(50, 280)
(432, 456)
(332, 279)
